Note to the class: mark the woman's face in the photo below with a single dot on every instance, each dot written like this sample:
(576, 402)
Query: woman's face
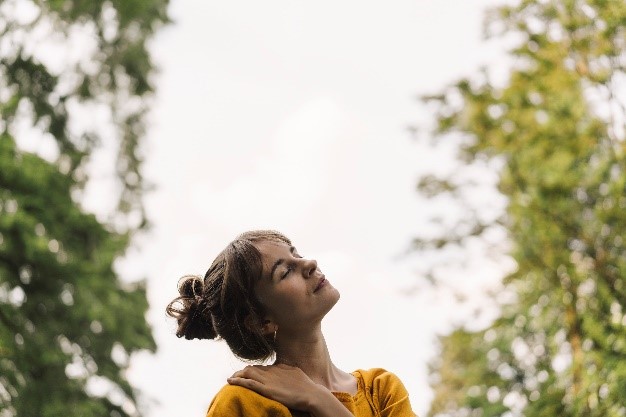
(292, 289)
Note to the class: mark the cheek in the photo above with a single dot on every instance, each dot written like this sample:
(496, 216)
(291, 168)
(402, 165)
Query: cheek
(277, 299)
(264, 298)
(284, 299)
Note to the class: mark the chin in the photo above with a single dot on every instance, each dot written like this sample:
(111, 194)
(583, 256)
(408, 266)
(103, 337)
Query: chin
(336, 298)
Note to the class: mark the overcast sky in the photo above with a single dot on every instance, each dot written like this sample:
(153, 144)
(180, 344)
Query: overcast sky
(292, 115)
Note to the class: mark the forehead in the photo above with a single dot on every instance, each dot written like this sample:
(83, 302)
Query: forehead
(272, 250)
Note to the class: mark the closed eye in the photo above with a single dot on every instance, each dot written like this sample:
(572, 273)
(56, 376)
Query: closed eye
(295, 254)
(287, 271)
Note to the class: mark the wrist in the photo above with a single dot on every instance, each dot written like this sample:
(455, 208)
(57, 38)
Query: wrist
(317, 399)
(323, 403)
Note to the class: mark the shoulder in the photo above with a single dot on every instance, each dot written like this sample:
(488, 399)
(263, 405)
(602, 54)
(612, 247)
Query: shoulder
(386, 392)
(234, 401)
(380, 378)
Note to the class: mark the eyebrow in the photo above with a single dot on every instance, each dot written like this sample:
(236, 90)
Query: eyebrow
(279, 262)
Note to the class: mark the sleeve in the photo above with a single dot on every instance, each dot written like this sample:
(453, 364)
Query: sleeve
(235, 401)
(391, 396)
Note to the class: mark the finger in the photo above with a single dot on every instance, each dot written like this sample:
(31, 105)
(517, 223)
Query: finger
(251, 384)
(247, 372)
(283, 366)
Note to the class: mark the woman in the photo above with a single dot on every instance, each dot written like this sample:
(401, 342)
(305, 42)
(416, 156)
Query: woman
(265, 300)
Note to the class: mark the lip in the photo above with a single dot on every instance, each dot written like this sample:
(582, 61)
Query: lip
(322, 282)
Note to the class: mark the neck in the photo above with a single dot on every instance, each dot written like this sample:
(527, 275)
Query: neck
(308, 351)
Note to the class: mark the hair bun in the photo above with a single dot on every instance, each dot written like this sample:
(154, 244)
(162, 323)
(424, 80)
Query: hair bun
(190, 286)
(191, 311)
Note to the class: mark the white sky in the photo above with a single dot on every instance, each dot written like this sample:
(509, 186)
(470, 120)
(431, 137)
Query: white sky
(292, 115)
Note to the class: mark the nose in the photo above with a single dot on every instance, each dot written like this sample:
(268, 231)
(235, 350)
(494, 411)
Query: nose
(309, 267)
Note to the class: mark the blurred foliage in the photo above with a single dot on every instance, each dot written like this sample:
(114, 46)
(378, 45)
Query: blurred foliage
(67, 322)
(555, 130)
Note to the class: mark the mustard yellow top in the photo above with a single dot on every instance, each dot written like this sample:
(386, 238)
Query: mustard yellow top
(380, 394)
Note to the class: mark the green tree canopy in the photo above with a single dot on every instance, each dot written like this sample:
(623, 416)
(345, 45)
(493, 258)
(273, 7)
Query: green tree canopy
(556, 127)
(75, 75)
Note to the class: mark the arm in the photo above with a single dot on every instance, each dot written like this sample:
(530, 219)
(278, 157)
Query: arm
(388, 393)
(235, 401)
(291, 387)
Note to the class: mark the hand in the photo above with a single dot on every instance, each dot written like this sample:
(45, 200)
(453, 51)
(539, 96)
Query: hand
(283, 383)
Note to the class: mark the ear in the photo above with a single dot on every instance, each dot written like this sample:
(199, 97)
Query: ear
(266, 325)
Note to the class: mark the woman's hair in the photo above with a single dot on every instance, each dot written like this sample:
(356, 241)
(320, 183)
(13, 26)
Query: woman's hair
(224, 304)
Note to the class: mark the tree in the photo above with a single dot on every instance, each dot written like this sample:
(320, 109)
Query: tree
(74, 75)
(555, 130)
